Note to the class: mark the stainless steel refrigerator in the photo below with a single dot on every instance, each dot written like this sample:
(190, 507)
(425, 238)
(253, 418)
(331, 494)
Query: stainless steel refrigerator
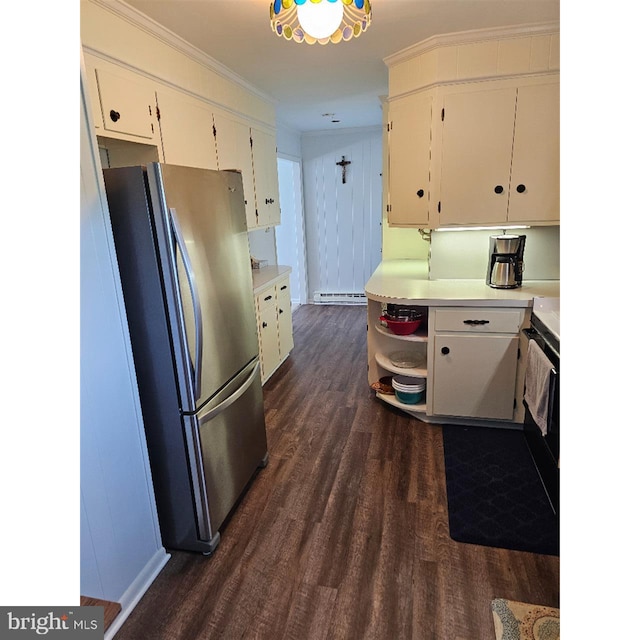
(183, 254)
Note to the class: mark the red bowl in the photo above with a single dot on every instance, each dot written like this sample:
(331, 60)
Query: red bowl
(401, 327)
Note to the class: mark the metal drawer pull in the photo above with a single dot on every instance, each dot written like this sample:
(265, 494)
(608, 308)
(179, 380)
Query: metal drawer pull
(475, 322)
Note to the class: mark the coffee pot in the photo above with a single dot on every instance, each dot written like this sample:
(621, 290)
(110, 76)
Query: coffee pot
(506, 262)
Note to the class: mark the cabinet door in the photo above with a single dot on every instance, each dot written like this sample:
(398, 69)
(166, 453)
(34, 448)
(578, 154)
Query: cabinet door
(477, 139)
(475, 375)
(285, 324)
(535, 172)
(409, 153)
(268, 335)
(233, 141)
(187, 131)
(267, 319)
(128, 106)
(265, 171)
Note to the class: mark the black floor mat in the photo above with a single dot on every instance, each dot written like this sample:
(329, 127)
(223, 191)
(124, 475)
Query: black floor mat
(495, 495)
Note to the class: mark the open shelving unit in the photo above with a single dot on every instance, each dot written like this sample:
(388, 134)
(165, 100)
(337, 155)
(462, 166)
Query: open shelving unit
(383, 343)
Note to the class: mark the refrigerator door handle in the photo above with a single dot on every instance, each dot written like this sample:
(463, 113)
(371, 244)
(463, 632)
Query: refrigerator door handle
(210, 415)
(197, 309)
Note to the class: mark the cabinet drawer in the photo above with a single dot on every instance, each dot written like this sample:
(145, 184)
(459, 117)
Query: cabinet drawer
(479, 320)
(267, 298)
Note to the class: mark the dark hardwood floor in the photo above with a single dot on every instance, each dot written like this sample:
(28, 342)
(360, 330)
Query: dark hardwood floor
(344, 534)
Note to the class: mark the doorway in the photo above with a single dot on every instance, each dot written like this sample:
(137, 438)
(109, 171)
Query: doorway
(290, 233)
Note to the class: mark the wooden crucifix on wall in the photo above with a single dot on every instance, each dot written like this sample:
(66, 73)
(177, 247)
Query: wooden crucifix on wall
(343, 163)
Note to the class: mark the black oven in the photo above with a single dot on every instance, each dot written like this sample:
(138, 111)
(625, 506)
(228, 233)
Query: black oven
(545, 449)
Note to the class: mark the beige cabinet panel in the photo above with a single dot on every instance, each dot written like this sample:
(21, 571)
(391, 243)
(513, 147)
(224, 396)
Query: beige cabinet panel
(275, 327)
(128, 105)
(267, 322)
(499, 159)
(265, 171)
(187, 131)
(268, 334)
(477, 138)
(474, 376)
(409, 156)
(285, 323)
(233, 141)
(535, 173)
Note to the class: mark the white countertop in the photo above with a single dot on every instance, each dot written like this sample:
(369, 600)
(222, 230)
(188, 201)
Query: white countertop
(548, 311)
(265, 277)
(405, 282)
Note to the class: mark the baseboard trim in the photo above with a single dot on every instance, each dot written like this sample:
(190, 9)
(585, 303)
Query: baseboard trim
(137, 589)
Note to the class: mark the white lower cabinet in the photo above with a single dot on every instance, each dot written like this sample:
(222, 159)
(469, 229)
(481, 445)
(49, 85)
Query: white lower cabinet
(267, 317)
(474, 362)
(275, 329)
(469, 357)
(285, 320)
(475, 375)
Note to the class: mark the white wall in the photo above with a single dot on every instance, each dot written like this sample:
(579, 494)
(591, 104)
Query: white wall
(262, 245)
(288, 141)
(343, 221)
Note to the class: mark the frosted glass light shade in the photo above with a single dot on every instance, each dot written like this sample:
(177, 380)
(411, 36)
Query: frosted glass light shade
(321, 21)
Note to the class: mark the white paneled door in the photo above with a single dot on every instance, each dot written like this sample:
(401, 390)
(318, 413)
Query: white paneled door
(343, 216)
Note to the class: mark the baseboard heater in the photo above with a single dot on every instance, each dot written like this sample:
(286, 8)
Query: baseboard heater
(339, 298)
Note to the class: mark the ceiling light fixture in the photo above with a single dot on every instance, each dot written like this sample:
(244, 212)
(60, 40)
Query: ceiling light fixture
(320, 21)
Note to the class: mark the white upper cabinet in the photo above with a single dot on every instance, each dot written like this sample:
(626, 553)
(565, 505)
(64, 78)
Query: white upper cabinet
(474, 116)
(409, 132)
(265, 170)
(477, 138)
(499, 158)
(187, 129)
(127, 105)
(233, 140)
(535, 169)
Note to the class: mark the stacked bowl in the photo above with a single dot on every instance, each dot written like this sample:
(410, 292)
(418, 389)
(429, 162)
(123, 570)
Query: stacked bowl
(402, 321)
(409, 390)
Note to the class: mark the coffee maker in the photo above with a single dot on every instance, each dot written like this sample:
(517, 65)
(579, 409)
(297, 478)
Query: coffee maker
(505, 261)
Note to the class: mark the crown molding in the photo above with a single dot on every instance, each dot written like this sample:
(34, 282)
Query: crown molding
(323, 133)
(470, 37)
(155, 29)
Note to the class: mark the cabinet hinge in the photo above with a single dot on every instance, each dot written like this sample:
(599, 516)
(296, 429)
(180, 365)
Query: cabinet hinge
(389, 126)
(388, 208)
(213, 128)
(438, 206)
(251, 142)
(442, 115)
(158, 113)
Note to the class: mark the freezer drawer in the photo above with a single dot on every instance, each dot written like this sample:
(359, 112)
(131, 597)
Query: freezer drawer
(233, 444)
